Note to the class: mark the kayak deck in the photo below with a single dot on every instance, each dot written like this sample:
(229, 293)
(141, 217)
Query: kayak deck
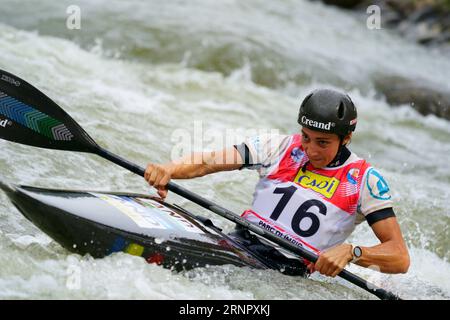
(99, 224)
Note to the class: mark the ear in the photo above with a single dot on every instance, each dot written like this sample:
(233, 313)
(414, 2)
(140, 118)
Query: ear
(347, 138)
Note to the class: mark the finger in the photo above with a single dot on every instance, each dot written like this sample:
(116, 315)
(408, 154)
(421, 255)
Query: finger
(324, 266)
(337, 269)
(319, 270)
(332, 269)
(164, 181)
(311, 268)
(152, 178)
(162, 193)
(157, 183)
(150, 168)
(336, 272)
(319, 264)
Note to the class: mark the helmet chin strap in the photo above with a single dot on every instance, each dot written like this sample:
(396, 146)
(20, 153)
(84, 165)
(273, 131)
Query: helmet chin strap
(336, 159)
(304, 166)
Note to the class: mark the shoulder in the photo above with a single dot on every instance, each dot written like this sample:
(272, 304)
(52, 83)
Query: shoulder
(266, 150)
(376, 184)
(268, 145)
(270, 141)
(375, 192)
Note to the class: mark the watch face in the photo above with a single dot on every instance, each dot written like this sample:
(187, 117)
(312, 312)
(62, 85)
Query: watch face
(357, 252)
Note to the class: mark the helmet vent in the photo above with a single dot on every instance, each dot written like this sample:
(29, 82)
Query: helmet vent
(341, 111)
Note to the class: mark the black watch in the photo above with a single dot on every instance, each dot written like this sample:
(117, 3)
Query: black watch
(357, 253)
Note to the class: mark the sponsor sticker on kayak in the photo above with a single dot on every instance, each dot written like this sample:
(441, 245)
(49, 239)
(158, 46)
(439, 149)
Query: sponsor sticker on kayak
(134, 212)
(147, 213)
(174, 217)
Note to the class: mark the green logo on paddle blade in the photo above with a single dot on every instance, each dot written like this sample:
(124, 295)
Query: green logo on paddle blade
(33, 119)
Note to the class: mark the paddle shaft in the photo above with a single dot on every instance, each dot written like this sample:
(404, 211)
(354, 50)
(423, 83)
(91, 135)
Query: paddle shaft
(207, 204)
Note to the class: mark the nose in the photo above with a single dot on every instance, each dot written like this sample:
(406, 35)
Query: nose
(311, 151)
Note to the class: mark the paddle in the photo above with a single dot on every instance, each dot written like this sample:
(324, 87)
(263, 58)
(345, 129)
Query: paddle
(28, 116)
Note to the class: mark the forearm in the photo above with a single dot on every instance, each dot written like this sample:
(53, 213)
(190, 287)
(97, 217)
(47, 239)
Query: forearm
(187, 167)
(198, 164)
(387, 257)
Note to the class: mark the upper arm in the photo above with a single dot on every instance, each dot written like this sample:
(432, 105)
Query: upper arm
(374, 200)
(389, 230)
(391, 255)
(256, 151)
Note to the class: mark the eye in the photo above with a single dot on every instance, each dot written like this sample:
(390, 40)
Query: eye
(323, 144)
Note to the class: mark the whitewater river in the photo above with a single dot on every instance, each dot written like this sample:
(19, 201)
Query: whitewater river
(138, 75)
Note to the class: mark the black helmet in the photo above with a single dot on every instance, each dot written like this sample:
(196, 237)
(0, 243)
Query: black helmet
(328, 111)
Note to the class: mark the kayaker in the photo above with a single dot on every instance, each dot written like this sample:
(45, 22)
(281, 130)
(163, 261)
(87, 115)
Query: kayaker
(312, 189)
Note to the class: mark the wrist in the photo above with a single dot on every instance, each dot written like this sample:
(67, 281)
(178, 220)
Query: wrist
(350, 253)
(356, 253)
(170, 168)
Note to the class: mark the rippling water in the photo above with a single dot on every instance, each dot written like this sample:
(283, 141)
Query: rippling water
(137, 71)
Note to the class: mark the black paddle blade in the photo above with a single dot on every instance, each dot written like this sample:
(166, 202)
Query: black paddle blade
(28, 116)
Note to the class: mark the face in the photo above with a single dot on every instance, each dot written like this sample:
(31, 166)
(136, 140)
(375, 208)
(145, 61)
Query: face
(321, 147)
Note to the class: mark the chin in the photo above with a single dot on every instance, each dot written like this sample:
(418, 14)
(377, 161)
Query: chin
(318, 165)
